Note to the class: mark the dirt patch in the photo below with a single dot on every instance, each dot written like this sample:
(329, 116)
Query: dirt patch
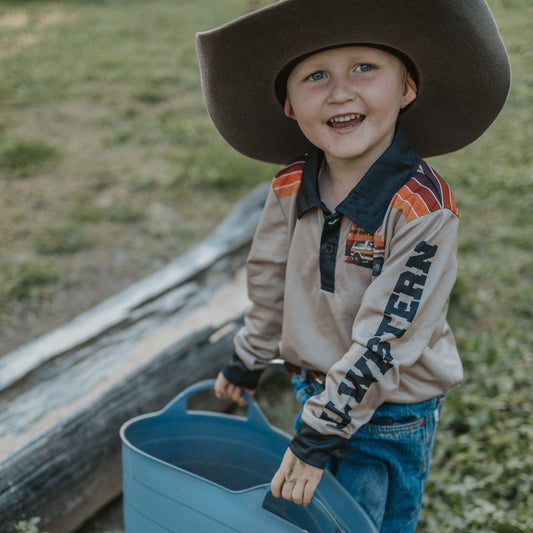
(53, 18)
(108, 520)
(18, 43)
(14, 19)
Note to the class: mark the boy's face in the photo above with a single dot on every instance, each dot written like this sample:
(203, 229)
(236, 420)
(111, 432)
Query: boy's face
(347, 100)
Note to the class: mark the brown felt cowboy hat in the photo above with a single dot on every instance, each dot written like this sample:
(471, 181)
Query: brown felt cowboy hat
(460, 60)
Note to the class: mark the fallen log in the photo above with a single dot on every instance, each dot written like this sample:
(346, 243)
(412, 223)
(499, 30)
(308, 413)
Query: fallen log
(64, 396)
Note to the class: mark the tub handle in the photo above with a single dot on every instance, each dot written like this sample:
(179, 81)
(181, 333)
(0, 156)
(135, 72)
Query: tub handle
(261, 499)
(178, 406)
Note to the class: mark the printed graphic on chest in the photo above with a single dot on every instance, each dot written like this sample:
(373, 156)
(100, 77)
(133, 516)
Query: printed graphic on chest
(362, 249)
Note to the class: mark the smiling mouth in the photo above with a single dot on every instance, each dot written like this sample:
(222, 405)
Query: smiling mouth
(346, 121)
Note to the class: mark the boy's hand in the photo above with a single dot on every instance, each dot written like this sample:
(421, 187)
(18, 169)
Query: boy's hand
(224, 389)
(295, 480)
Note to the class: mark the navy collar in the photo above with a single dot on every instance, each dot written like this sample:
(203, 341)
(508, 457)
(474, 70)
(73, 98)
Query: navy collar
(367, 202)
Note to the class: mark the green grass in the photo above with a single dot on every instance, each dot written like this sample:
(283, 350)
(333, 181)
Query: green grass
(28, 526)
(61, 239)
(29, 156)
(482, 476)
(104, 142)
(27, 281)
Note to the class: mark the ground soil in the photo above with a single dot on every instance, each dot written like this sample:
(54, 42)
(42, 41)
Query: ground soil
(108, 520)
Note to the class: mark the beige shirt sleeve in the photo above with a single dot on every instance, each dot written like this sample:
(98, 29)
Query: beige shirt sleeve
(402, 315)
(257, 343)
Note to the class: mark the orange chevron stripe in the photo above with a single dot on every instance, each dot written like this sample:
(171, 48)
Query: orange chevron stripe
(410, 205)
(426, 196)
(447, 196)
(415, 199)
(287, 181)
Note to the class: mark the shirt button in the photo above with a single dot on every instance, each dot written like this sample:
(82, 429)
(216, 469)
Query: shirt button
(328, 249)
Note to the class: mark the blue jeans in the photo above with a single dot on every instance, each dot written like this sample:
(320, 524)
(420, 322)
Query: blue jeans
(386, 462)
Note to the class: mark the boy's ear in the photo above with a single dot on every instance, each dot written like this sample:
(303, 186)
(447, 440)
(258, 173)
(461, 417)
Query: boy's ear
(287, 108)
(409, 91)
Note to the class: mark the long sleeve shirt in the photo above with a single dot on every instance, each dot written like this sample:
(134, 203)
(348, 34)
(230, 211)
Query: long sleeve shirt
(360, 294)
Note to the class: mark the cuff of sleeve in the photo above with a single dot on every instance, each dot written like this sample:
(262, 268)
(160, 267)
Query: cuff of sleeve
(237, 373)
(313, 447)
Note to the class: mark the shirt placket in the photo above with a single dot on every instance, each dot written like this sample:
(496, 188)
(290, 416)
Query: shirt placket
(329, 244)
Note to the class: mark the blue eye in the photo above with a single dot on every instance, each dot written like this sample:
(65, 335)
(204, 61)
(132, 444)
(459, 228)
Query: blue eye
(317, 76)
(364, 67)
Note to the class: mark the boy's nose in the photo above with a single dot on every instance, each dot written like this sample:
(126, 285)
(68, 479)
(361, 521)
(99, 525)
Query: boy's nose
(342, 90)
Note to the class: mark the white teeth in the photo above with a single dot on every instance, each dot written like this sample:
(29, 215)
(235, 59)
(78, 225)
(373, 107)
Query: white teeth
(346, 118)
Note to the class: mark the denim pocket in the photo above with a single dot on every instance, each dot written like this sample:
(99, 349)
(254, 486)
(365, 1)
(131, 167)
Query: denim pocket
(386, 462)
(400, 418)
(395, 427)
(407, 429)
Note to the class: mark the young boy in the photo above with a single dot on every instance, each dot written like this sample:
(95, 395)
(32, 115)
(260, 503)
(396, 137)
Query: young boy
(354, 258)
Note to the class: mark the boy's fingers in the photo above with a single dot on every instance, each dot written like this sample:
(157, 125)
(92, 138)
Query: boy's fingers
(235, 393)
(298, 492)
(276, 484)
(295, 481)
(220, 386)
(225, 389)
(309, 490)
(286, 490)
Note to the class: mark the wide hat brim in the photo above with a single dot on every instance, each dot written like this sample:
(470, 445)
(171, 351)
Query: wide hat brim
(462, 66)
